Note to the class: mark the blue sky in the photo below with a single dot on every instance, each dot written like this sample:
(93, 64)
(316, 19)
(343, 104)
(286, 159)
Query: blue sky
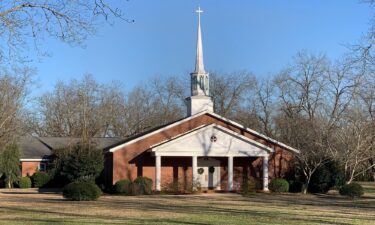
(258, 36)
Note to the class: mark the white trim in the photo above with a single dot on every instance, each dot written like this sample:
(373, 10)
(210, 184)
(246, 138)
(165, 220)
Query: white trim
(156, 131)
(34, 160)
(255, 132)
(214, 115)
(189, 153)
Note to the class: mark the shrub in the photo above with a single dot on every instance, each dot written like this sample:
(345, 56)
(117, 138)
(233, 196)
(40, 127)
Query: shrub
(279, 185)
(24, 182)
(352, 190)
(82, 191)
(40, 179)
(326, 177)
(123, 187)
(295, 186)
(251, 184)
(142, 185)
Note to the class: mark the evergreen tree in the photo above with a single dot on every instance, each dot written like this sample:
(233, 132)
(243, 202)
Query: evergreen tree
(79, 162)
(10, 163)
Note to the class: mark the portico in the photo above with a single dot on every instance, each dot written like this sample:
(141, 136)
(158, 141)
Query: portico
(203, 145)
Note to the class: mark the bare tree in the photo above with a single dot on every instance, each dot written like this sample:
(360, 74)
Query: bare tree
(265, 105)
(14, 90)
(228, 91)
(301, 88)
(80, 109)
(356, 144)
(157, 103)
(24, 22)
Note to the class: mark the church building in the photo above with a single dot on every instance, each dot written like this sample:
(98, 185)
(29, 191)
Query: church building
(203, 149)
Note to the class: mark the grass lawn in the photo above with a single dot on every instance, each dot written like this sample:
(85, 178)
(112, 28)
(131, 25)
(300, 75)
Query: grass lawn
(30, 207)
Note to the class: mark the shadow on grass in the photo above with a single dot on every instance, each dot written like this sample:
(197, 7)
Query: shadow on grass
(199, 209)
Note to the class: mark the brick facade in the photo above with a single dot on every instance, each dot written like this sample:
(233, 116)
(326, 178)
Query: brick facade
(135, 159)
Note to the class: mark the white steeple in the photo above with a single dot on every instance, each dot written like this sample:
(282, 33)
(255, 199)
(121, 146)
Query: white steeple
(200, 99)
(199, 66)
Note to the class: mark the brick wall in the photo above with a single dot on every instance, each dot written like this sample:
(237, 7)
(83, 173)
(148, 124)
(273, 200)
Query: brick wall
(135, 159)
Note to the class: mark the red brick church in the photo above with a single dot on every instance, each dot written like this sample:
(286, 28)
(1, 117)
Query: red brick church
(204, 148)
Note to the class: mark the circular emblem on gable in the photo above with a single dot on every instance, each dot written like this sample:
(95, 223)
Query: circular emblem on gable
(211, 169)
(213, 138)
(200, 171)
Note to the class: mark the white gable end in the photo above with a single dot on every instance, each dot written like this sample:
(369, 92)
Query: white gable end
(212, 140)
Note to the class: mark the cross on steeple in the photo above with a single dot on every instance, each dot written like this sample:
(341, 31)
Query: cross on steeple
(199, 11)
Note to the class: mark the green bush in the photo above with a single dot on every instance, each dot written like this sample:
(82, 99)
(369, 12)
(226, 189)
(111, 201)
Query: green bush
(352, 190)
(82, 191)
(251, 184)
(279, 185)
(24, 182)
(295, 186)
(41, 179)
(326, 177)
(142, 185)
(123, 187)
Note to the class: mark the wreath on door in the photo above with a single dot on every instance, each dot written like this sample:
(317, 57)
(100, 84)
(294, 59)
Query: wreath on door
(200, 171)
(211, 169)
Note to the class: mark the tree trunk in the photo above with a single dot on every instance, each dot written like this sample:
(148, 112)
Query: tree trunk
(304, 189)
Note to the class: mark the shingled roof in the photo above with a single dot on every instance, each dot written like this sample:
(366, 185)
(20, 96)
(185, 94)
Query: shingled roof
(42, 147)
(32, 148)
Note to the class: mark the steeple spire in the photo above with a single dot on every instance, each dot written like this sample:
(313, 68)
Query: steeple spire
(200, 99)
(199, 66)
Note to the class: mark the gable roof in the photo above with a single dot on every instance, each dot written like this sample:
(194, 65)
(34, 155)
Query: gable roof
(165, 127)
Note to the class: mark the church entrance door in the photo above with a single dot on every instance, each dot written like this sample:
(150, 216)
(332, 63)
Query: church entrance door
(209, 173)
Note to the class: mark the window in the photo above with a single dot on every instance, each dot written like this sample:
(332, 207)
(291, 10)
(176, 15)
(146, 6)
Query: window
(201, 83)
(194, 82)
(206, 85)
(42, 167)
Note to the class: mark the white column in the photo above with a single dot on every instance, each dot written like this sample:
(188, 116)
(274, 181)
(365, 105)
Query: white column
(158, 173)
(265, 173)
(230, 173)
(195, 175)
